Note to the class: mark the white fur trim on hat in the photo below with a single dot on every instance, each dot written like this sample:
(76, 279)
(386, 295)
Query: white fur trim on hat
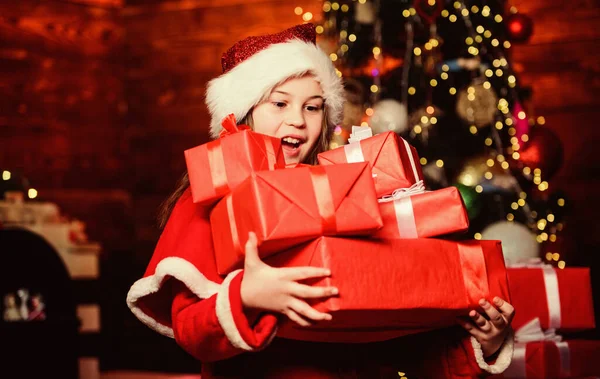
(178, 268)
(244, 86)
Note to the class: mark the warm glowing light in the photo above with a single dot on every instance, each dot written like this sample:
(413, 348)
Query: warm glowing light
(307, 16)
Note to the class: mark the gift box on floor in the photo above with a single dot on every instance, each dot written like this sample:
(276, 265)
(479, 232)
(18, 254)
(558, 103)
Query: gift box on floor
(395, 162)
(217, 167)
(288, 207)
(549, 359)
(416, 213)
(560, 298)
(400, 284)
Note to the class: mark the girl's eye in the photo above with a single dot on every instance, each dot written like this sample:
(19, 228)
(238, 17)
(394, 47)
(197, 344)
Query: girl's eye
(279, 104)
(313, 108)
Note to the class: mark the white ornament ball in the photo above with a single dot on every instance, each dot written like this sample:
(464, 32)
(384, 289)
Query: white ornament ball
(518, 241)
(389, 115)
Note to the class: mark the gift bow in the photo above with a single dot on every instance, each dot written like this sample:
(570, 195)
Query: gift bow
(551, 284)
(532, 332)
(360, 133)
(230, 126)
(415, 189)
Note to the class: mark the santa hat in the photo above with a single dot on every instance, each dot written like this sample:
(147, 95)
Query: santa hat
(255, 65)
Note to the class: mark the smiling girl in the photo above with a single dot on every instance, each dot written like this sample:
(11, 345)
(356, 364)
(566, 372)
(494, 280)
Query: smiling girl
(284, 86)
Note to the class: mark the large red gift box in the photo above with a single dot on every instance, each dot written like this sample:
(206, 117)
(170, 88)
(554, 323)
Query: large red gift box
(395, 162)
(288, 207)
(400, 284)
(423, 214)
(561, 299)
(217, 167)
(548, 359)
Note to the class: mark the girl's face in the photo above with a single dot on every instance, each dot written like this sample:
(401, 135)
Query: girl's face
(293, 112)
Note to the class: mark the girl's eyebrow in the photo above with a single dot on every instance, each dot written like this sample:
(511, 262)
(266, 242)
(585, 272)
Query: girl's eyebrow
(310, 98)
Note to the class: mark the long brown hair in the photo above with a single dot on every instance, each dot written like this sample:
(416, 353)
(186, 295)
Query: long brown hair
(321, 145)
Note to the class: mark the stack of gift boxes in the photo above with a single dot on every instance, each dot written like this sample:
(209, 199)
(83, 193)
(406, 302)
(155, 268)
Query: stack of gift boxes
(550, 302)
(364, 213)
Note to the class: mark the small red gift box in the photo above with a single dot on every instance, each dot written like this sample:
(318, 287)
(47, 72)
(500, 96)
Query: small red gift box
(561, 299)
(217, 167)
(400, 284)
(288, 207)
(548, 359)
(395, 162)
(419, 214)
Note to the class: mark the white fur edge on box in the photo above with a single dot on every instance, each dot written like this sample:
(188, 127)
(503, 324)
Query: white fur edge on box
(504, 357)
(178, 268)
(241, 88)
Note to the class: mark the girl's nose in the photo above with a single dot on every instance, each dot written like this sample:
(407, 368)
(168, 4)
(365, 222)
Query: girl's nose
(295, 118)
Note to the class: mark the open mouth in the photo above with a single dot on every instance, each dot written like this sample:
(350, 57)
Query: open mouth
(291, 143)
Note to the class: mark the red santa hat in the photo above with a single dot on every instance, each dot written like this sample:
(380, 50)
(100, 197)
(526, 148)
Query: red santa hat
(255, 65)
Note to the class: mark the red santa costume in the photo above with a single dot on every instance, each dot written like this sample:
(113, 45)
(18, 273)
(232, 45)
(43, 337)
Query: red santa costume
(182, 296)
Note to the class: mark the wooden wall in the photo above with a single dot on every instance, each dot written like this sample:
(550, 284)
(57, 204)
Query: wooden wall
(99, 98)
(561, 62)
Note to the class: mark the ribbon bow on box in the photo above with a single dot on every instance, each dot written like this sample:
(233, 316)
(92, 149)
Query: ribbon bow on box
(230, 126)
(417, 188)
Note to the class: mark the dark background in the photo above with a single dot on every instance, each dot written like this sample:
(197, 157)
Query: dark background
(99, 98)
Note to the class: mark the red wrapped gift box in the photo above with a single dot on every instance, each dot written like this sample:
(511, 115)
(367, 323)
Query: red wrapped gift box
(561, 299)
(395, 162)
(217, 167)
(288, 207)
(400, 284)
(423, 214)
(548, 359)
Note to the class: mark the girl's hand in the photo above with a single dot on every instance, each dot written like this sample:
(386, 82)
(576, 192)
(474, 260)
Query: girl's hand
(277, 289)
(490, 331)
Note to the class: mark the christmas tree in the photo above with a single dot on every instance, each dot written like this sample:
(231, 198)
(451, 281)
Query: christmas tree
(440, 75)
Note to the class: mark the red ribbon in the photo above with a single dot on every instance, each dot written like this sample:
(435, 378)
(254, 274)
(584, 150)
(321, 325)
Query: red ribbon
(324, 199)
(474, 271)
(230, 126)
(218, 172)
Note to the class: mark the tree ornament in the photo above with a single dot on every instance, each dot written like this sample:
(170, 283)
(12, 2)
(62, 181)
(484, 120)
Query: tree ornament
(389, 115)
(472, 200)
(518, 241)
(423, 120)
(519, 27)
(543, 150)
(521, 124)
(428, 10)
(477, 105)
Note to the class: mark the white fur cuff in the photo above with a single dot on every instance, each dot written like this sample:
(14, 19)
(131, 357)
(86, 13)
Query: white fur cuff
(504, 357)
(225, 316)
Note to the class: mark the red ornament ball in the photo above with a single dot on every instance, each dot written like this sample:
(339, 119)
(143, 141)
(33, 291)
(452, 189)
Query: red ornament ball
(544, 150)
(519, 27)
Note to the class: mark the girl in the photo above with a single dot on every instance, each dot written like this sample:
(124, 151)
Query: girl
(283, 85)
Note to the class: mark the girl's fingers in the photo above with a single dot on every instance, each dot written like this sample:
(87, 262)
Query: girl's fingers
(480, 321)
(310, 292)
(303, 309)
(251, 250)
(471, 328)
(496, 317)
(507, 310)
(302, 273)
(296, 318)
